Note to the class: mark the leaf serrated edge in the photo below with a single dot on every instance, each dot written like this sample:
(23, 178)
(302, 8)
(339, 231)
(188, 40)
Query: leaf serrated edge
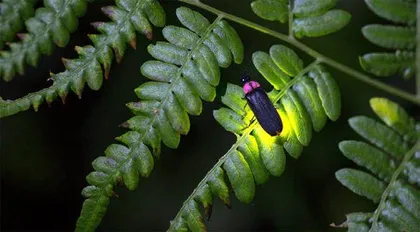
(54, 88)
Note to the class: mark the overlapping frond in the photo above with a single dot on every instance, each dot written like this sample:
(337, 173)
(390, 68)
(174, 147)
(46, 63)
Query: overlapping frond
(185, 72)
(51, 25)
(391, 162)
(401, 38)
(94, 62)
(13, 13)
(311, 18)
(303, 103)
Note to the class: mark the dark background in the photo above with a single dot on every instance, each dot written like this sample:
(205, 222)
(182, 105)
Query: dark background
(45, 156)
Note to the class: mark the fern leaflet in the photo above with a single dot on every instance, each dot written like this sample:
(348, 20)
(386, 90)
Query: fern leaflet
(256, 155)
(393, 158)
(13, 14)
(51, 25)
(186, 71)
(95, 61)
(399, 37)
(311, 18)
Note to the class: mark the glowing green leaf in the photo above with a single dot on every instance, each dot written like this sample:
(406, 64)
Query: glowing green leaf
(272, 154)
(240, 176)
(307, 92)
(393, 115)
(249, 149)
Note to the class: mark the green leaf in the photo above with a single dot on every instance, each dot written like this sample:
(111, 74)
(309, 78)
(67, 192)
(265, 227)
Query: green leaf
(272, 154)
(393, 160)
(193, 217)
(398, 11)
(271, 9)
(240, 176)
(305, 8)
(230, 120)
(393, 115)
(370, 157)
(192, 20)
(205, 197)
(389, 36)
(298, 116)
(256, 154)
(388, 64)
(51, 24)
(12, 18)
(380, 135)
(270, 71)
(361, 183)
(185, 73)
(227, 33)
(328, 91)
(286, 59)
(325, 24)
(249, 149)
(218, 186)
(290, 142)
(358, 222)
(96, 59)
(307, 91)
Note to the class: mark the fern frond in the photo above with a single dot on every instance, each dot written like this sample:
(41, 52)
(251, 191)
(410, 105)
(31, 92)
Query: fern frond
(312, 18)
(303, 103)
(51, 25)
(392, 163)
(401, 38)
(12, 15)
(186, 71)
(95, 61)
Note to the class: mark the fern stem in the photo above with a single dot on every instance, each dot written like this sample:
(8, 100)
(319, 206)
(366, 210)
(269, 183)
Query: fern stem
(388, 189)
(418, 51)
(341, 67)
(291, 19)
(240, 140)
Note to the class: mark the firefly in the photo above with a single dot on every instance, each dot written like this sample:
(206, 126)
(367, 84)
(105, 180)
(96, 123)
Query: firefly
(262, 107)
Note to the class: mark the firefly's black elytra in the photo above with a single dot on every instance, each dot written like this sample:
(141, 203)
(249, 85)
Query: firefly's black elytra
(262, 107)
